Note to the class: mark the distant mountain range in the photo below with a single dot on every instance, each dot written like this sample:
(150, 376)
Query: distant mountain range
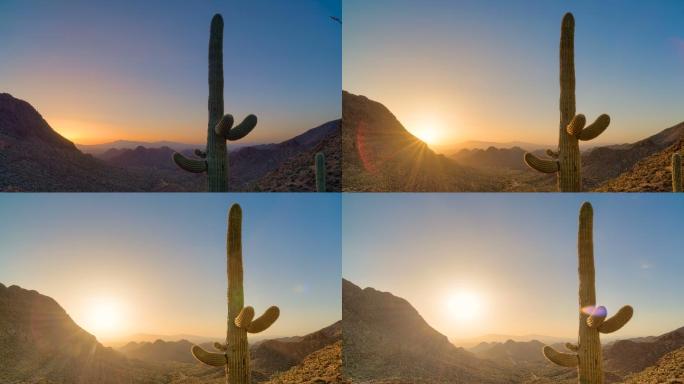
(33, 157)
(99, 149)
(385, 340)
(381, 155)
(40, 343)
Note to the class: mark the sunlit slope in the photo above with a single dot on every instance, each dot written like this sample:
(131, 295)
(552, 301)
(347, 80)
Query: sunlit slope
(379, 154)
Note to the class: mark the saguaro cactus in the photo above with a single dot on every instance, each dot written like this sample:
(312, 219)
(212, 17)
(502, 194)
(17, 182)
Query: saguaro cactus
(235, 352)
(214, 160)
(676, 172)
(320, 172)
(566, 161)
(586, 354)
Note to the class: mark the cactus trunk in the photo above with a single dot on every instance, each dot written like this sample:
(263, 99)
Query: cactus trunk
(216, 144)
(676, 172)
(320, 172)
(237, 369)
(567, 160)
(587, 353)
(240, 321)
(214, 160)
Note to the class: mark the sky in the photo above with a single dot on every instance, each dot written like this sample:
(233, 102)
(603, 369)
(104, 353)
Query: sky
(106, 70)
(454, 71)
(480, 264)
(156, 263)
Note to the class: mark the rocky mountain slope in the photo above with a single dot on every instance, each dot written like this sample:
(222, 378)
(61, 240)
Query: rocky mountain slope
(508, 158)
(669, 369)
(629, 356)
(279, 355)
(384, 338)
(379, 154)
(159, 351)
(39, 343)
(321, 367)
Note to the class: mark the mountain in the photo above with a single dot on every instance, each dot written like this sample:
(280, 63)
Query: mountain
(33, 157)
(668, 369)
(40, 343)
(289, 165)
(492, 339)
(381, 155)
(629, 356)
(386, 340)
(508, 158)
(321, 367)
(476, 144)
(141, 157)
(511, 352)
(650, 174)
(279, 355)
(99, 149)
(159, 351)
(605, 163)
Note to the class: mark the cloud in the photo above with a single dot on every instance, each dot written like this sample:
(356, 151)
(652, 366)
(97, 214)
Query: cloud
(646, 265)
(299, 288)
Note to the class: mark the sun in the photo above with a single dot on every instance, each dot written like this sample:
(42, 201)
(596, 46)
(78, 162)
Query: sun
(104, 317)
(465, 305)
(429, 130)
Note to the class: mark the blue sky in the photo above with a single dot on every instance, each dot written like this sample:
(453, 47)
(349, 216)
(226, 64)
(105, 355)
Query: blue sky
(162, 257)
(103, 70)
(488, 70)
(518, 254)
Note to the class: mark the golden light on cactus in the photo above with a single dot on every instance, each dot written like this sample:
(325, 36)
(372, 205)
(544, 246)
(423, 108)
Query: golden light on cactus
(465, 305)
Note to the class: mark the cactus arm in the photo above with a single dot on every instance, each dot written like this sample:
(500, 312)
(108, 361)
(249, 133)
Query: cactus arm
(552, 154)
(220, 346)
(576, 125)
(244, 319)
(264, 321)
(618, 320)
(209, 358)
(200, 153)
(572, 347)
(676, 172)
(561, 358)
(541, 165)
(190, 165)
(224, 125)
(597, 317)
(243, 129)
(596, 128)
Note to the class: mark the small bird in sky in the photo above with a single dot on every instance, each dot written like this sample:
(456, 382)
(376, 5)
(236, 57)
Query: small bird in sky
(336, 19)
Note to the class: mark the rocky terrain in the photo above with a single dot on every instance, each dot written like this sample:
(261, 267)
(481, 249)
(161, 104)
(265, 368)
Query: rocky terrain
(385, 338)
(669, 369)
(40, 343)
(33, 157)
(379, 154)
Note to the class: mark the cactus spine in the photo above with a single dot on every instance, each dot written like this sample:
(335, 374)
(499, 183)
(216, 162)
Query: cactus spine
(214, 160)
(320, 172)
(235, 351)
(566, 161)
(676, 173)
(592, 319)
